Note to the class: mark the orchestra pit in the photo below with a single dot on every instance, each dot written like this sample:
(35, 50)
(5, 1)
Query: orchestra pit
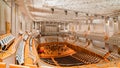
(59, 33)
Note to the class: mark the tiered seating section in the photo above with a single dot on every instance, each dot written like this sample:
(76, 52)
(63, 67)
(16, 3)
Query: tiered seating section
(115, 40)
(63, 61)
(68, 61)
(30, 57)
(9, 46)
(87, 41)
(20, 53)
(76, 39)
(21, 50)
(87, 58)
(6, 41)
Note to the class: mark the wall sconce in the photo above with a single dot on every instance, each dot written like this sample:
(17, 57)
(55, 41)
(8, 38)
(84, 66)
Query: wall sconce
(95, 15)
(102, 17)
(86, 14)
(107, 19)
(52, 9)
(115, 19)
(76, 13)
(65, 12)
(59, 26)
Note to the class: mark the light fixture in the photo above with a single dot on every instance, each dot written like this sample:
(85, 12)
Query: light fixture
(34, 25)
(76, 13)
(107, 23)
(102, 17)
(107, 19)
(59, 26)
(95, 15)
(115, 19)
(65, 12)
(86, 14)
(52, 9)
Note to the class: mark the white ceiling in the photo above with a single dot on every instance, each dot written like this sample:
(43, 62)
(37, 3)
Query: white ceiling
(41, 9)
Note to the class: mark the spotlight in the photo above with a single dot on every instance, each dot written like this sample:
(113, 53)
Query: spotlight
(52, 9)
(76, 14)
(115, 19)
(86, 14)
(65, 12)
(102, 17)
(95, 15)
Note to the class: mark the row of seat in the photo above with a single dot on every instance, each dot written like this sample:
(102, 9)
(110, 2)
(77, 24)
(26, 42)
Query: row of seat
(82, 39)
(2, 36)
(97, 50)
(91, 47)
(92, 36)
(6, 41)
(96, 37)
(68, 61)
(113, 56)
(20, 53)
(87, 58)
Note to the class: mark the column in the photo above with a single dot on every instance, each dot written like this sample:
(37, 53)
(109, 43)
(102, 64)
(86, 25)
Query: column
(119, 24)
(13, 24)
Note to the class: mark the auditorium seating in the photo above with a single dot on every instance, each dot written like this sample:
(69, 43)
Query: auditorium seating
(63, 61)
(87, 58)
(97, 50)
(90, 58)
(20, 53)
(96, 47)
(6, 41)
(113, 56)
(90, 47)
(30, 57)
(68, 61)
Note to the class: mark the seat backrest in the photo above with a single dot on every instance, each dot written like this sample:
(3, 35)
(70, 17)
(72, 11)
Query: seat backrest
(20, 53)
(6, 40)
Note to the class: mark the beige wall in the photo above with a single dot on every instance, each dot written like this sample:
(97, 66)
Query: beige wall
(17, 18)
(2, 18)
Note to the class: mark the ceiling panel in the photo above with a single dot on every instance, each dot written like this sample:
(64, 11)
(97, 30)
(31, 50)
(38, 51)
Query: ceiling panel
(85, 8)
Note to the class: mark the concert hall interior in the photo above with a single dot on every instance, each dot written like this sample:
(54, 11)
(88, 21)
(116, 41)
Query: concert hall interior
(59, 33)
